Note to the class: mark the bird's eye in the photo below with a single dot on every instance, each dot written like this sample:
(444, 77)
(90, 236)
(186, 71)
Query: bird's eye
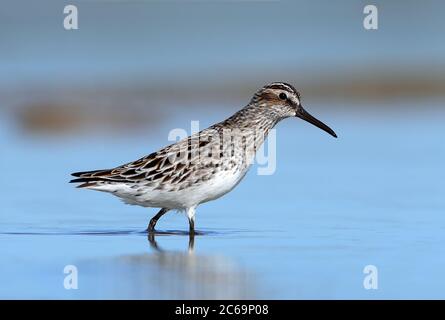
(282, 96)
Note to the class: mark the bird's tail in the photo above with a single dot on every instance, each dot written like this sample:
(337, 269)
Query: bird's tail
(91, 178)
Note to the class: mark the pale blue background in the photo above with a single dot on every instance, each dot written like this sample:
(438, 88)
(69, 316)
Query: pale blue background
(373, 196)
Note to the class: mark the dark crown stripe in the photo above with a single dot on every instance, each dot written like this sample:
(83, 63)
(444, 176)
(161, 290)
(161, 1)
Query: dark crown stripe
(283, 86)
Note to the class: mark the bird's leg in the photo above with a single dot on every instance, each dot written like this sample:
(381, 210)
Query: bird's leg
(154, 220)
(192, 226)
(191, 217)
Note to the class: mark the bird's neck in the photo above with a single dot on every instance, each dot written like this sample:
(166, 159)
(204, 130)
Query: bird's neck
(252, 117)
(252, 122)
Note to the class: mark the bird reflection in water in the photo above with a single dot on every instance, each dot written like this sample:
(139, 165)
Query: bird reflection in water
(190, 275)
(154, 245)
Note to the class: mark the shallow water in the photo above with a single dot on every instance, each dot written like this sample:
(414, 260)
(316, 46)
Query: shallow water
(372, 197)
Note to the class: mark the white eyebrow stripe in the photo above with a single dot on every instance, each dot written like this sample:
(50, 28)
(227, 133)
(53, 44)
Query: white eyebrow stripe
(282, 86)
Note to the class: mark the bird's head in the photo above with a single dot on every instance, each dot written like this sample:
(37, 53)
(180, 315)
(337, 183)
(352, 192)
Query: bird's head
(284, 101)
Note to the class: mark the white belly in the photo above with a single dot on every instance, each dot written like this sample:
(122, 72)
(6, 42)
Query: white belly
(217, 186)
(212, 189)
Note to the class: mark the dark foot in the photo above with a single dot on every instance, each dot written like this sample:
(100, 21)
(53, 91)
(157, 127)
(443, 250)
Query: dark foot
(191, 226)
(154, 220)
(152, 225)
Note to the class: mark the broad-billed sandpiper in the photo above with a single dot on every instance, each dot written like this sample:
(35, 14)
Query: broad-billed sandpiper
(204, 166)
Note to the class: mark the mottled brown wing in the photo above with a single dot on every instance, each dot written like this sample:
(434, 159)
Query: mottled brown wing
(161, 166)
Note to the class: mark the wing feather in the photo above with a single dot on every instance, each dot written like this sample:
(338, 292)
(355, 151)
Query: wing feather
(172, 164)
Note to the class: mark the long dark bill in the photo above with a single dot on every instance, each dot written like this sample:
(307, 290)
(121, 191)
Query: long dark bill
(303, 114)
